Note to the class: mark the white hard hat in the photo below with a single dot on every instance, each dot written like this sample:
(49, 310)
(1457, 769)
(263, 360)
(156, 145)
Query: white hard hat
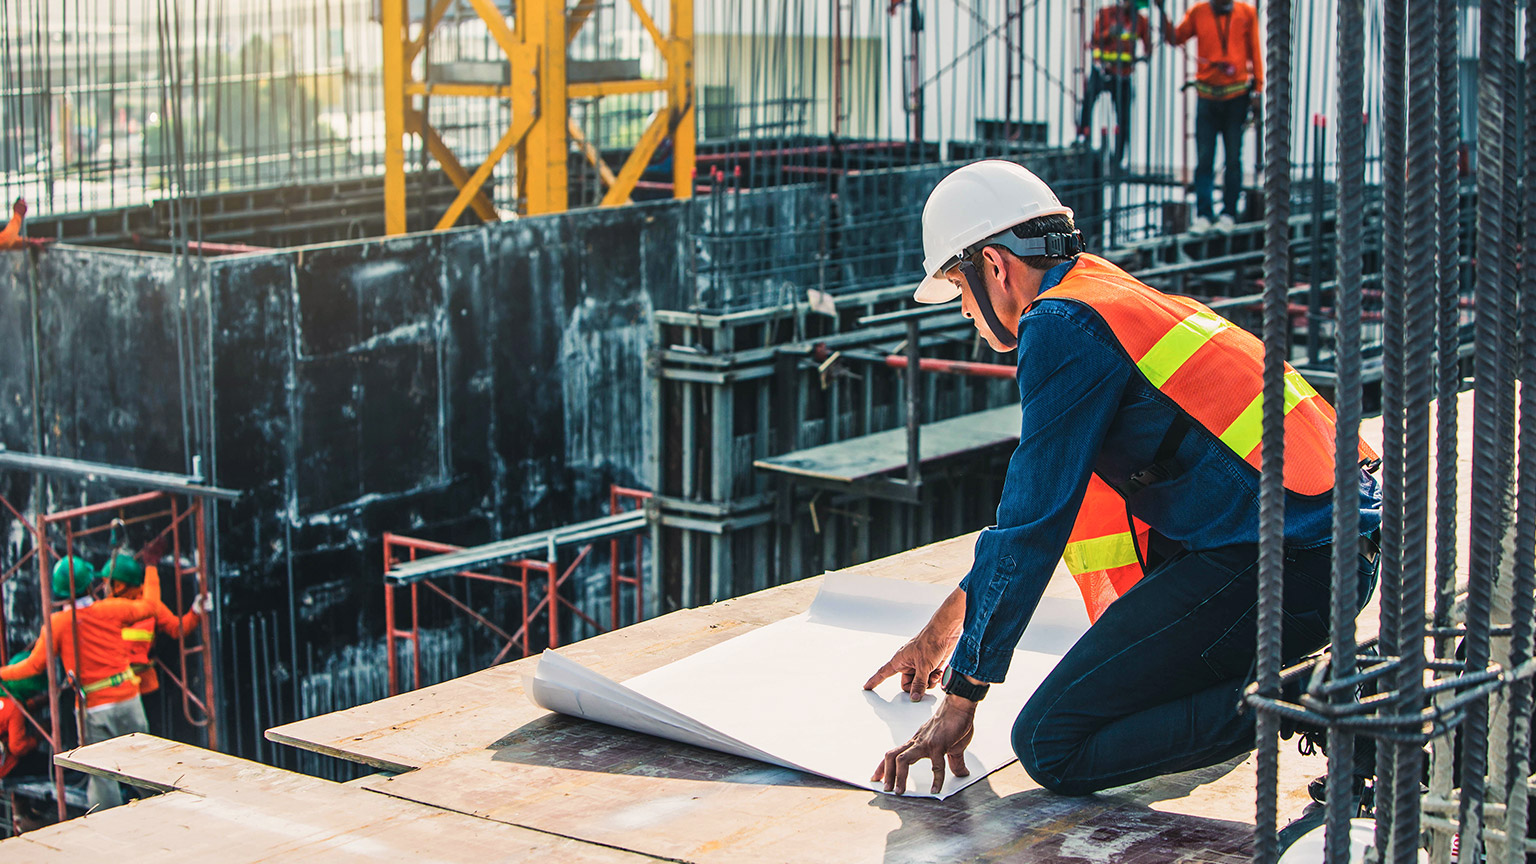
(973, 203)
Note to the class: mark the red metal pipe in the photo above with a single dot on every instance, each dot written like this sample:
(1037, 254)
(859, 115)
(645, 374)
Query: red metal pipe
(223, 248)
(800, 151)
(955, 367)
(66, 515)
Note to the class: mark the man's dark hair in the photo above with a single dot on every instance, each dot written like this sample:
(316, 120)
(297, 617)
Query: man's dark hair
(1059, 223)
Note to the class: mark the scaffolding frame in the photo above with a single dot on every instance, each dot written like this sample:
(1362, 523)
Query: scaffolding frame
(539, 92)
(186, 520)
(448, 560)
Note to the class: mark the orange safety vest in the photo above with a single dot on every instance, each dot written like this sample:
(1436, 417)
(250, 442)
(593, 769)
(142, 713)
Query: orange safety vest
(1212, 370)
(140, 637)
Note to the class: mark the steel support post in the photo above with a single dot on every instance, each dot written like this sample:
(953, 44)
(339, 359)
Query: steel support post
(680, 78)
(542, 170)
(392, 15)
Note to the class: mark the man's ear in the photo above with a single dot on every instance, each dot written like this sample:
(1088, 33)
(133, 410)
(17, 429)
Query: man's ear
(995, 263)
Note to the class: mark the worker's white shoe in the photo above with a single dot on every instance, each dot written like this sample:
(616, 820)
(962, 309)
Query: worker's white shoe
(1200, 225)
(1226, 222)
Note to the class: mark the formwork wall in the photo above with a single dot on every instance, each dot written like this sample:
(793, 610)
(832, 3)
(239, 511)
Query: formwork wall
(462, 386)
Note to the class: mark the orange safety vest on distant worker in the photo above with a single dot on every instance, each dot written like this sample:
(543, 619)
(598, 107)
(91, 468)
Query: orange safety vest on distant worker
(1115, 33)
(140, 637)
(1227, 48)
(1213, 371)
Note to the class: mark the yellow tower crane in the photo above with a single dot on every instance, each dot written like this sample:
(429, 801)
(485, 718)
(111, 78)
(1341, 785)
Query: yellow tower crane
(534, 40)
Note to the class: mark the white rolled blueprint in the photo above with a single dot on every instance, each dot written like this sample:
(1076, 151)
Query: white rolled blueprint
(790, 693)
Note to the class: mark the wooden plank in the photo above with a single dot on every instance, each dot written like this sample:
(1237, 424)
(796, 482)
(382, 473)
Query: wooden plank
(870, 455)
(231, 810)
(616, 788)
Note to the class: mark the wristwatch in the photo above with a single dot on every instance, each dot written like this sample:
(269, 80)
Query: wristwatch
(958, 685)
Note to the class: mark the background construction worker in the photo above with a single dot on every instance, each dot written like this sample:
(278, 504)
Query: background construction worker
(100, 672)
(1116, 32)
(1137, 466)
(125, 578)
(1228, 82)
(16, 740)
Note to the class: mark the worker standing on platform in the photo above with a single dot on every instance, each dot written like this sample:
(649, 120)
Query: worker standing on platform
(100, 673)
(1116, 31)
(125, 578)
(1137, 466)
(1228, 82)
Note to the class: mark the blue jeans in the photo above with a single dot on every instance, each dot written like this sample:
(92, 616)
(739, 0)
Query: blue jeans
(1154, 686)
(1119, 89)
(1223, 119)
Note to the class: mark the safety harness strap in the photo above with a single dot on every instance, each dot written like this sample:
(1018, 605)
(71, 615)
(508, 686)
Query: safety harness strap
(1164, 466)
(125, 675)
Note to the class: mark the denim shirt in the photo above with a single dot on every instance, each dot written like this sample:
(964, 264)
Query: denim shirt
(1086, 407)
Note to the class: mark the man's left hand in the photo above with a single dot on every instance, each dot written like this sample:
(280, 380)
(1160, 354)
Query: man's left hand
(944, 737)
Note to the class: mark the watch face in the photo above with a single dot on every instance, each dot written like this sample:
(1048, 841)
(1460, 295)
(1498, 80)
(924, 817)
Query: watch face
(949, 673)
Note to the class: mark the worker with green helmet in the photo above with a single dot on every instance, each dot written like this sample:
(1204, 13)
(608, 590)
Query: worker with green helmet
(101, 670)
(72, 577)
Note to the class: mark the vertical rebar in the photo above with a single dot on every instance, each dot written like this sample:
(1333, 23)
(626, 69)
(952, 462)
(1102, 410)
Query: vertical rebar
(1488, 487)
(1422, 242)
(1448, 375)
(1277, 281)
(1393, 128)
(1315, 288)
(1349, 236)
(1448, 337)
(1523, 611)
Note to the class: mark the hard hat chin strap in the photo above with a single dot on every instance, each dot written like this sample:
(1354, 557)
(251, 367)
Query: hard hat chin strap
(1003, 335)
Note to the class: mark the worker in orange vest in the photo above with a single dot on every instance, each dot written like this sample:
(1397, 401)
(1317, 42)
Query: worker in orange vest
(1116, 32)
(1137, 467)
(100, 672)
(1229, 81)
(16, 740)
(10, 235)
(125, 578)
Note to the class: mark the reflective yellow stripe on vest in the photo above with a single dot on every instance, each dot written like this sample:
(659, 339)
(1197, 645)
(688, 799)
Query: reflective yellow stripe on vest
(133, 634)
(1244, 433)
(1100, 553)
(1174, 349)
(1180, 344)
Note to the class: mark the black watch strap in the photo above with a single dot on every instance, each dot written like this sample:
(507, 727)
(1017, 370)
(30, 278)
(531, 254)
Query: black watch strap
(958, 685)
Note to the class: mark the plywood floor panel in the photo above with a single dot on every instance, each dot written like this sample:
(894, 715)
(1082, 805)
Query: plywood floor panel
(230, 810)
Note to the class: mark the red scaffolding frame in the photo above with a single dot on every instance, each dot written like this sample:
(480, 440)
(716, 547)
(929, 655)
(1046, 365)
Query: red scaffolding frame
(183, 505)
(400, 550)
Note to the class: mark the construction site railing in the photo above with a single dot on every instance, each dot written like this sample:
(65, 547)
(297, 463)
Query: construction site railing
(402, 550)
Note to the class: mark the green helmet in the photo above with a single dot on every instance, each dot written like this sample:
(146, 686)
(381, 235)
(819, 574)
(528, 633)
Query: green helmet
(84, 575)
(24, 689)
(123, 568)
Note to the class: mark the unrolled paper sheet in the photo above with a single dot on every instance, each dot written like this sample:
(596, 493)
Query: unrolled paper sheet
(791, 693)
